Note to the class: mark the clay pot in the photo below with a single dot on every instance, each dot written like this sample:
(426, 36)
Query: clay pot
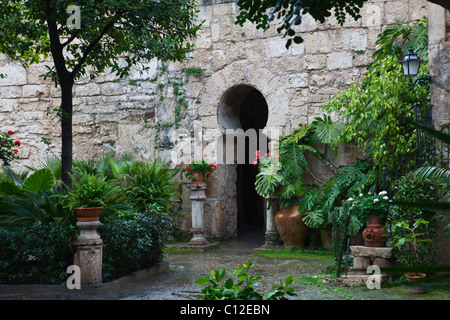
(198, 178)
(88, 214)
(293, 231)
(373, 234)
(414, 277)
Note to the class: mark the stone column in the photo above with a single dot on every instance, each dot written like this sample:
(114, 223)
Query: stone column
(271, 229)
(198, 229)
(89, 253)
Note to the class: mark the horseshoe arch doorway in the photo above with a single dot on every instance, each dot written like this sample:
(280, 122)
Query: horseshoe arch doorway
(244, 107)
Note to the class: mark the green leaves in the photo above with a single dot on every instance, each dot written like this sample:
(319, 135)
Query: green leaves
(415, 36)
(40, 180)
(288, 14)
(376, 117)
(243, 288)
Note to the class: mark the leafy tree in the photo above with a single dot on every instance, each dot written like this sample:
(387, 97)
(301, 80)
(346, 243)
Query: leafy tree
(114, 34)
(378, 114)
(290, 12)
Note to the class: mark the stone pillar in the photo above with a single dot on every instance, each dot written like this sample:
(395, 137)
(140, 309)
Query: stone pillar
(89, 253)
(198, 229)
(271, 229)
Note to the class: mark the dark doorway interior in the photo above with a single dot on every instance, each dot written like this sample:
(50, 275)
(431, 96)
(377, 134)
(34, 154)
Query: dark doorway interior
(253, 114)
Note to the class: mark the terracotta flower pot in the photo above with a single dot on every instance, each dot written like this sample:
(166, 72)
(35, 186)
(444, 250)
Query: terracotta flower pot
(88, 214)
(373, 234)
(293, 231)
(198, 178)
(415, 277)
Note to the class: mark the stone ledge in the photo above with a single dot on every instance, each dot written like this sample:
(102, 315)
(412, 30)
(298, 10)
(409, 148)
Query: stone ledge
(98, 291)
(371, 252)
(355, 280)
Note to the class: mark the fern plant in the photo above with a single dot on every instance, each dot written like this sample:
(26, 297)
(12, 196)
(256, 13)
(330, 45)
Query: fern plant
(358, 177)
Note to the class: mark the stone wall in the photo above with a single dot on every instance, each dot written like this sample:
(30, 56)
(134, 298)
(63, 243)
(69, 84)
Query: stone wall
(154, 112)
(439, 61)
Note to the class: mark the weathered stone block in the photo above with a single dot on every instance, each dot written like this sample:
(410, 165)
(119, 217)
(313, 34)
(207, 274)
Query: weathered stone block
(371, 252)
(361, 263)
(383, 262)
(362, 279)
(339, 60)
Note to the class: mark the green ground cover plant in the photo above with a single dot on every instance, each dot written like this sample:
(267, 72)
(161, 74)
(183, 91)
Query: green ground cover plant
(243, 288)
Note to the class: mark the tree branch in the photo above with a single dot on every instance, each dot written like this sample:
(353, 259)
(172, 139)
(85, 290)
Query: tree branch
(72, 37)
(91, 46)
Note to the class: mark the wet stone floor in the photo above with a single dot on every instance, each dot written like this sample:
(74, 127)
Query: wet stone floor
(177, 282)
(311, 280)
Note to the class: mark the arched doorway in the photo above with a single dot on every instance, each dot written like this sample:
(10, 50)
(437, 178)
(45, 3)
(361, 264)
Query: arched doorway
(244, 107)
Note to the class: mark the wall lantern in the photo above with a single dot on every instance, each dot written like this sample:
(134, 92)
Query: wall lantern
(410, 65)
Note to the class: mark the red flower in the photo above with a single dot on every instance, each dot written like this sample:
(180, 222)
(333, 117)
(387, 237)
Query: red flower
(15, 150)
(209, 173)
(17, 143)
(10, 132)
(187, 168)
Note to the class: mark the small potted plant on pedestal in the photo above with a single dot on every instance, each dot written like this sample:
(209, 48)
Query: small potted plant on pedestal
(199, 170)
(90, 194)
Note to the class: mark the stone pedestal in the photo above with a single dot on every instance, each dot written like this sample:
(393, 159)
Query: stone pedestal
(272, 234)
(197, 198)
(366, 261)
(89, 253)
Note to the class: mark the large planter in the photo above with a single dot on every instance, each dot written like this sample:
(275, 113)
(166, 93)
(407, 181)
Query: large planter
(88, 214)
(415, 277)
(293, 231)
(198, 178)
(373, 234)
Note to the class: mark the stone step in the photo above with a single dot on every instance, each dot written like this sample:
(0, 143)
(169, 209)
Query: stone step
(371, 252)
(372, 281)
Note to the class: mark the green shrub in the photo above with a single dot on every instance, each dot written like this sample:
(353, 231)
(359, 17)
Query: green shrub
(36, 254)
(133, 241)
(150, 183)
(410, 190)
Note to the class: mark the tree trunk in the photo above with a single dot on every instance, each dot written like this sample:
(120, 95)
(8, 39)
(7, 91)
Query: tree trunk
(66, 130)
(65, 80)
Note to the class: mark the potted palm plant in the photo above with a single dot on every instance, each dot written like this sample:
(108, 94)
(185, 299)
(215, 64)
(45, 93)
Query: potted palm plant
(281, 177)
(90, 194)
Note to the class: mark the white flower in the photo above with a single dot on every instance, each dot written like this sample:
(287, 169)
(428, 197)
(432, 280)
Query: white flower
(382, 193)
(385, 197)
(360, 194)
(375, 200)
(350, 199)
